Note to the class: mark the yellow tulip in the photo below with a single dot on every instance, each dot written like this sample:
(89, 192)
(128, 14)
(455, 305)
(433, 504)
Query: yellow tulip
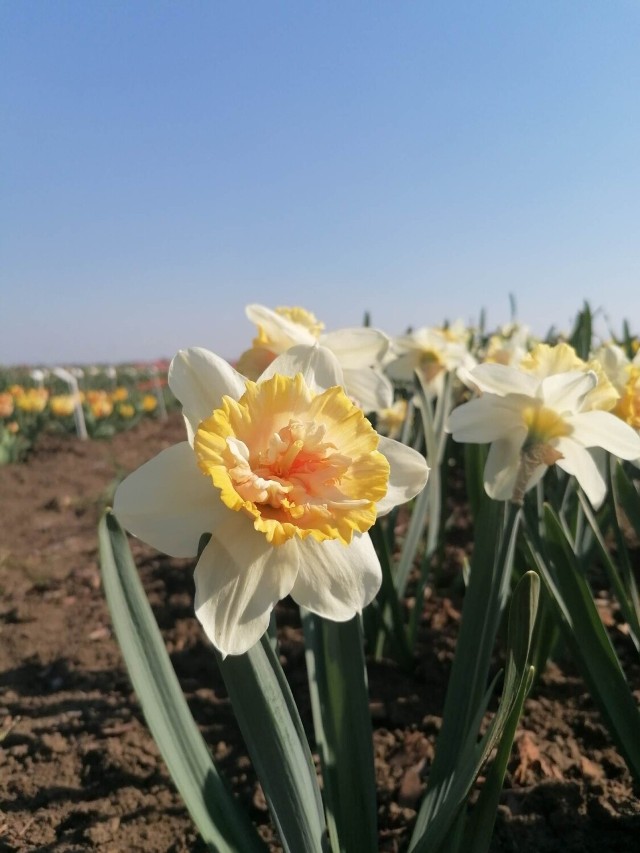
(62, 405)
(149, 403)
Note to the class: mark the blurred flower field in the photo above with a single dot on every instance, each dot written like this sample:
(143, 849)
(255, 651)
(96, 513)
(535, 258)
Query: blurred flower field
(90, 402)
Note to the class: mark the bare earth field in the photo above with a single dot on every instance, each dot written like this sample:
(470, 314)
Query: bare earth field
(79, 771)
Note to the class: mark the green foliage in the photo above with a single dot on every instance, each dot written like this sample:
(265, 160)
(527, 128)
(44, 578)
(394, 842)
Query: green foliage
(340, 705)
(223, 825)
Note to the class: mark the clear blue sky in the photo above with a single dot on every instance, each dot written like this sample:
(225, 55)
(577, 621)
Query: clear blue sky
(165, 163)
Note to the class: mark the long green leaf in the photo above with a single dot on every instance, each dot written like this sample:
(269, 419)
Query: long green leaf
(222, 823)
(522, 617)
(475, 457)
(342, 722)
(583, 630)
(454, 788)
(625, 597)
(271, 726)
(392, 617)
(484, 604)
(627, 497)
(581, 334)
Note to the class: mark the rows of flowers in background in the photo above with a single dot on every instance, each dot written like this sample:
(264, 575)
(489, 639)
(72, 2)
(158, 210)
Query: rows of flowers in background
(91, 402)
(283, 488)
(379, 373)
(380, 370)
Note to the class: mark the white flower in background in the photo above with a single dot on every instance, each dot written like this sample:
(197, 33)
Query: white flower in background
(39, 376)
(287, 476)
(624, 373)
(615, 363)
(533, 423)
(390, 421)
(432, 352)
(545, 360)
(509, 347)
(360, 351)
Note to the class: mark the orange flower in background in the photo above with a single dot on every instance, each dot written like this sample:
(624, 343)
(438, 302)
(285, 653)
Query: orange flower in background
(6, 405)
(101, 407)
(94, 396)
(16, 390)
(13, 427)
(119, 395)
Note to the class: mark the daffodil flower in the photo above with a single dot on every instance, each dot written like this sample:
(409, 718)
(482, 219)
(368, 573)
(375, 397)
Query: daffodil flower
(287, 476)
(509, 346)
(545, 360)
(624, 374)
(360, 351)
(432, 352)
(533, 423)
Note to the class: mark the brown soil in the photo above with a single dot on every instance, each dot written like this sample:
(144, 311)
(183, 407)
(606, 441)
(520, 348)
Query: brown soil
(79, 770)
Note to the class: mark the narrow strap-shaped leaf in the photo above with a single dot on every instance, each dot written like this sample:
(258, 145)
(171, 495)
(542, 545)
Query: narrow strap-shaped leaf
(427, 504)
(342, 722)
(475, 457)
(626, 501)
(392, 617)
(483, 606)
(581, 334)
(625, 600)
(583, 630)
(627, 497)
(522, 617)
(272, 730)
(222, 823)
(453, 789)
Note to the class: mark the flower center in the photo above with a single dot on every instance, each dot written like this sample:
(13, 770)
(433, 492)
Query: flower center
(298, 463)
(543, 425)
(303, 318)
(628, 406)
(430, 363)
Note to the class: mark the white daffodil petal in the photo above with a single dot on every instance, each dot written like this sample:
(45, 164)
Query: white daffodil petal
(577, 460)
(501, 379)
(239, 578)
(199, 379)
(565, 392)
(402, 369)
(318, 366)
(502, 466)
(466, 377)
(487, 418)
(190, 430)
(369, 388)
(169, 503)
(407, 477)
(337, 581)
(602, 429)
(357, 347)
(281, 331)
